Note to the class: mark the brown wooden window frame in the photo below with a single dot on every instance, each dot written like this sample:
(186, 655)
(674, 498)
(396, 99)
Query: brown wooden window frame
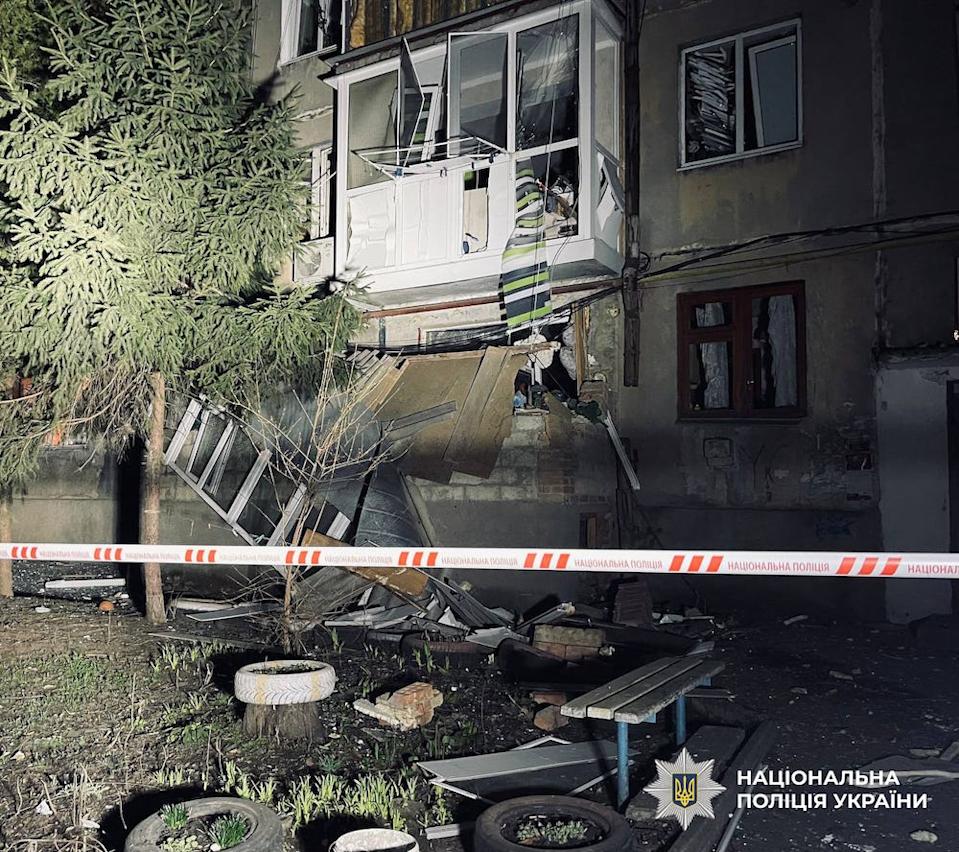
(738, 334)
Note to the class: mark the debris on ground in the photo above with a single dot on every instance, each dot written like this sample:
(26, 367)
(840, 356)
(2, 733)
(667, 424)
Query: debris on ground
(924, 836)
(550, 719)
(408, 708)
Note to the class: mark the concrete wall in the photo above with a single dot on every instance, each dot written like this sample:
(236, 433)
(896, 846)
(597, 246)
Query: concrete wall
(914, 469)
(552, 471)
(881, 125)
(300, 78)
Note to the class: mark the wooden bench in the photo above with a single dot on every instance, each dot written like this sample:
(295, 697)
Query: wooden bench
(638, 697)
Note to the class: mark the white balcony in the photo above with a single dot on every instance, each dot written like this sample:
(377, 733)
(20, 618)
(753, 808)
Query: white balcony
(429, 143)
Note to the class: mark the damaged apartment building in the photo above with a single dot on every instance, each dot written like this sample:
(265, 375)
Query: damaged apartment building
(784, 374)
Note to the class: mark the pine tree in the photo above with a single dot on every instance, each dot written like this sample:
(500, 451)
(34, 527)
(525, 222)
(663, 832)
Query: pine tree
(148, 199)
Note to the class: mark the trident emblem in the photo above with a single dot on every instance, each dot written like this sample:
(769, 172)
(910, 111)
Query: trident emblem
(684, 789)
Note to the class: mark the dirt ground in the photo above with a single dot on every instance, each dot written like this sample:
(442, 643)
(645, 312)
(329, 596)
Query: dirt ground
(101, 724)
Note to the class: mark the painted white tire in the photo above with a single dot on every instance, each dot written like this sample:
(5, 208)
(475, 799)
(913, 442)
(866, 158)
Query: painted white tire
(261, 683)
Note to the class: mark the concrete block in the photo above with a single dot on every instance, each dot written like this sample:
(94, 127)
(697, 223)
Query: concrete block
(589, 637)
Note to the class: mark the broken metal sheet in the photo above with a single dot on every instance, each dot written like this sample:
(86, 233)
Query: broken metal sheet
(562, 610)
(459, 769)
(467, 608)
(535, 768)
(493, 637)
(378, 616)
(624, 459)
(921, 771)
(241, 611)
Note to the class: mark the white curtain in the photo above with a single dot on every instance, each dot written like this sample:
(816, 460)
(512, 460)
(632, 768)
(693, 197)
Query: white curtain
(714, 358)
(782, 344)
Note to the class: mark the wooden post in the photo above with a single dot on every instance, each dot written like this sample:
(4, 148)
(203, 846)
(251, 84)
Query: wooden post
(631, 270)
(150, 498)
(6, 534)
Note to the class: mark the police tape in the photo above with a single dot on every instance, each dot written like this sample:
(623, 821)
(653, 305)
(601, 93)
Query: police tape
(754, 563)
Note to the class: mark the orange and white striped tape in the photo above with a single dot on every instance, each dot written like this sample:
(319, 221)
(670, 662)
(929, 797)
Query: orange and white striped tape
(756, 563)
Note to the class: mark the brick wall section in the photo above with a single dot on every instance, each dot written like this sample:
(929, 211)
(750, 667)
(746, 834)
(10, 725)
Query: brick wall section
(551, 458)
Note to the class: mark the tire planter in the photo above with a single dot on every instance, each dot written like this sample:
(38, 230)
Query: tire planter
(265, 834)
(495, 829)
(376, 840)
(304, 682)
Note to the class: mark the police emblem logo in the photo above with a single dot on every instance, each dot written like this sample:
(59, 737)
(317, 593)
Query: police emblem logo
(685, 789)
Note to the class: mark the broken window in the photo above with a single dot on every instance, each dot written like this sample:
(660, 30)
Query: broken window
(558, 173)
(308, 26)
(475, 210)
(547, 83)
(741, 94)
(742, 352)
(478, 86)
(371, 125)
(369, 21)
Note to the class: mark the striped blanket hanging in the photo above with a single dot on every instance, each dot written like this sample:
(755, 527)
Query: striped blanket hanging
(524, 279)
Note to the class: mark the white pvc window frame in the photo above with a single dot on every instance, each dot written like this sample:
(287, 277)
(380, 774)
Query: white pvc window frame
(290, 34)
(787, 31)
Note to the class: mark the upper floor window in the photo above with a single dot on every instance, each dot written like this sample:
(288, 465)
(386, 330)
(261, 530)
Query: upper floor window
(309, 26)
(741, 95)
(369, 21)
(742, 352)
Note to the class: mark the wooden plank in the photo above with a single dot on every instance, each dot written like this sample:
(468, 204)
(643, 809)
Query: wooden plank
(608, 708)
(467, 432)
(406, 582)
(662, 696)
(578, 706)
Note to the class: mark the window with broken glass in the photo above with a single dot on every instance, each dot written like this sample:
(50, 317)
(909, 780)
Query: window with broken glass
(308, 27)
(742, 352)
(741, 95)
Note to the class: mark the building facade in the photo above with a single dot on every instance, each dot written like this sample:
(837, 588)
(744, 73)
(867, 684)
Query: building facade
(795, 360)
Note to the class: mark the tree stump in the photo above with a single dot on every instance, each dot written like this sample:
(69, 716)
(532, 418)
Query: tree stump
(285, 722)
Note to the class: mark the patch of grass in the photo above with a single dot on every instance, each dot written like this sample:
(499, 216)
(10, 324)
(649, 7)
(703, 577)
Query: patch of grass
(174, 816)
(538, 831)
(229, 831)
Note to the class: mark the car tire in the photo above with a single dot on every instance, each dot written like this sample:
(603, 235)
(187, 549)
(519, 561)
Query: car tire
(489, 832)
(266, 830)
(267, 683)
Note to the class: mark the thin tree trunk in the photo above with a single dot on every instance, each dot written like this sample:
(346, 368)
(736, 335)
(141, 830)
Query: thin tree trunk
(6, 534)
(150, 523)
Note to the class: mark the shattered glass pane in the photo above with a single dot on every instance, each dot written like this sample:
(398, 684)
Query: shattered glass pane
(558, 172)
(710, 120)
(711, 315)
(547, 83)
(371, 124)
(774, 357)
(710, 369)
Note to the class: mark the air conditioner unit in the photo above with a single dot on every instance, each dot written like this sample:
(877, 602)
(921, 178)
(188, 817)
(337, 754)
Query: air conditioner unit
(313, 260)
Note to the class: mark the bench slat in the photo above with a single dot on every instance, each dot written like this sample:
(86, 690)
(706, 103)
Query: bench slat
(606, 709)
(664, 695)
(578, 706)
